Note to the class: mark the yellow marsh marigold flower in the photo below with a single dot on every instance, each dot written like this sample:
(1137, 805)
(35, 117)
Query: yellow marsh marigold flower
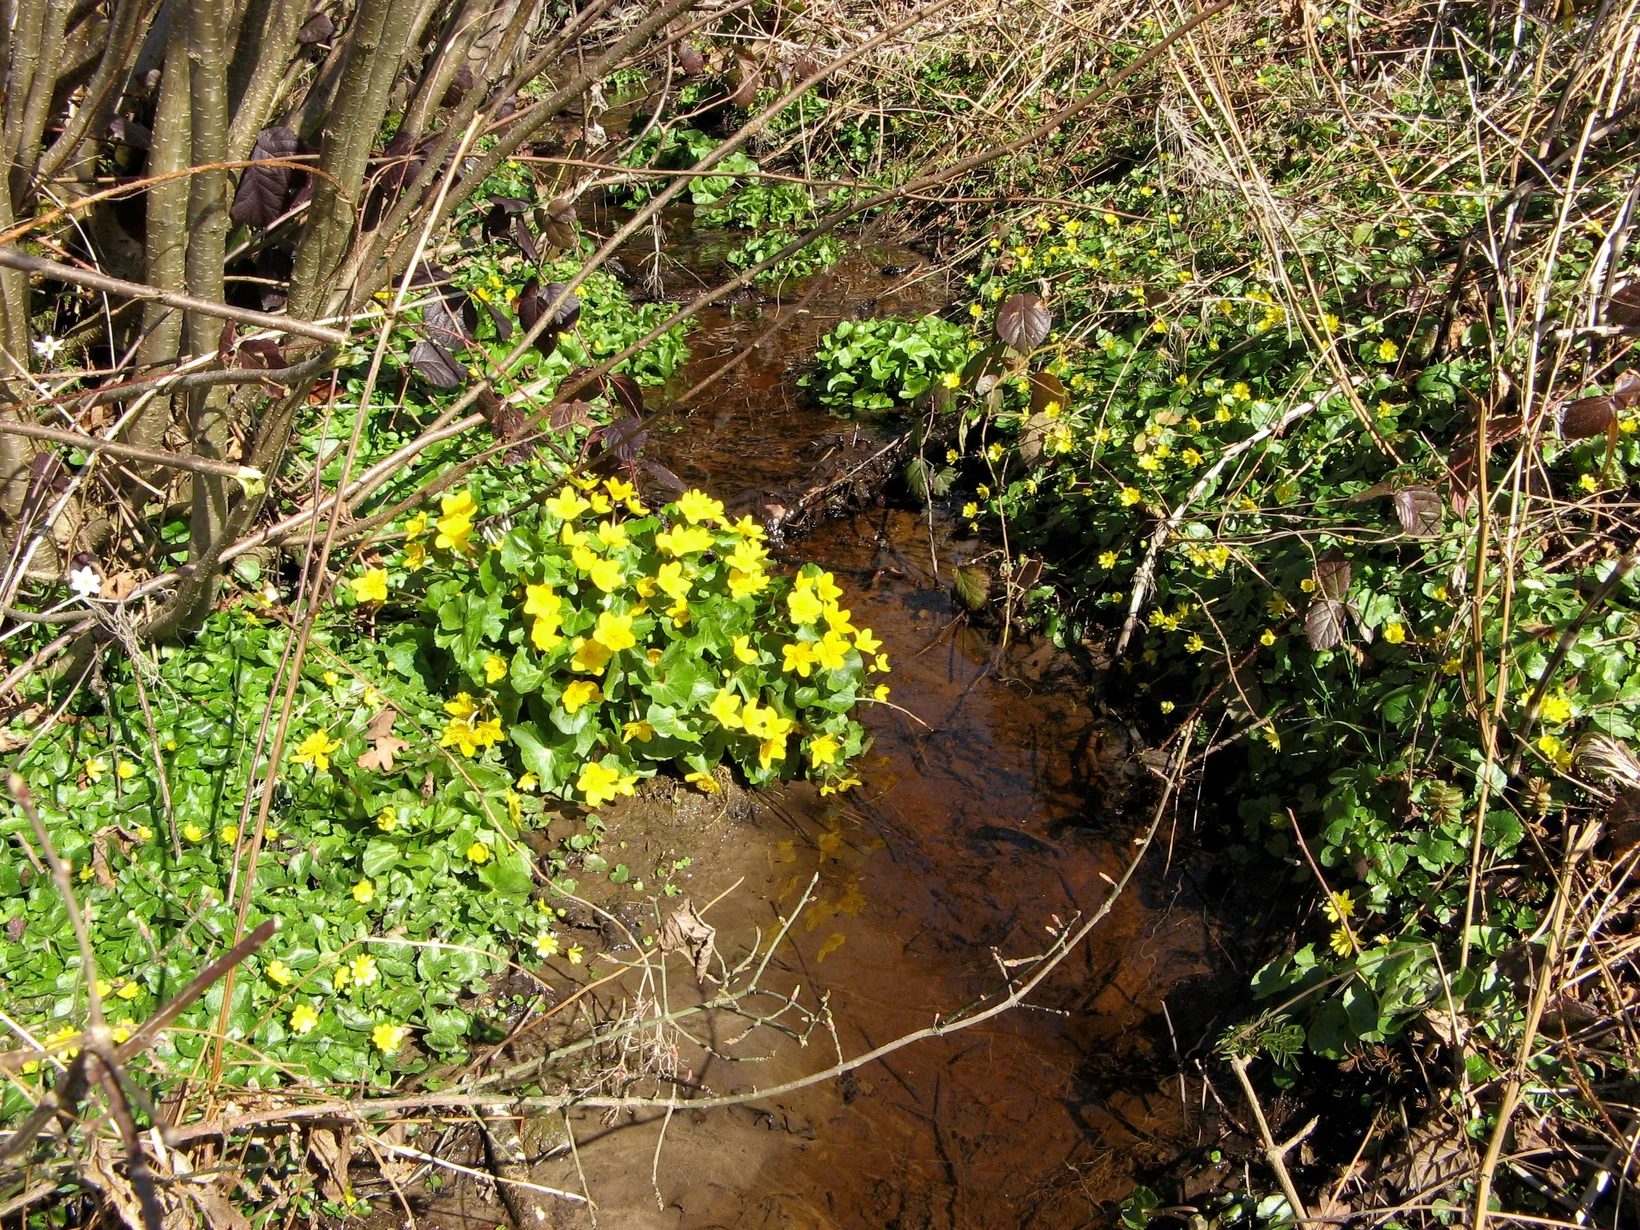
(415, 527)
(744, 584)
(804, 606)
(831, 651)
(684, 540)
(1395, 633)
(613, 535)
(614, 632)
(672, 581)
(495, 668)
(599, 784)
(704, 782)
(387, 1038)
(880, 692)
(547, 607)
(1267, 637)
(744, 653)
(478, 853)
(799, 658)
(697, 506)
(460, 705)
(640, 730)
(455, 527)
(1555, 709)
(316, 749)
(607, 575)
(840, 786)
(866, 642)
(303, 1019)
(823, 750)
(1339, 906)
(590, 657)
(364, 892)
(725, 707)
(371, 587)
(459, 734)
(579, 694)
(747, 528)
(566, 505)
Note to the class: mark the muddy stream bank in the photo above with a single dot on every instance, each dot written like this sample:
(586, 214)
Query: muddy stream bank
(1006, 811)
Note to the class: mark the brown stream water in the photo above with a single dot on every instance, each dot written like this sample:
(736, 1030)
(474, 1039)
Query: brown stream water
(1005, 812)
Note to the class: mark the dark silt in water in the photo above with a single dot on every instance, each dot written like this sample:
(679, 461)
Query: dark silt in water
(1003, 810)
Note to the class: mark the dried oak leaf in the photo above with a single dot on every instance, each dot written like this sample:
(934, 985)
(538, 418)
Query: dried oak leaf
(381, 756)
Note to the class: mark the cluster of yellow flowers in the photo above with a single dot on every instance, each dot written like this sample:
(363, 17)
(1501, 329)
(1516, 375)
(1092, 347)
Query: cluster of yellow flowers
(467, 731)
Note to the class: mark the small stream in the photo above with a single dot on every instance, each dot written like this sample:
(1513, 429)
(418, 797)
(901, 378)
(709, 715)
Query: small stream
(1006, 811)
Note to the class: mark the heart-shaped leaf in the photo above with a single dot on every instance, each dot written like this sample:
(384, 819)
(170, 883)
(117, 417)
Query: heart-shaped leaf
(1024, 322)
(1326, 623)
(691, 61)
(1626, 392)
(436, 365)
(264, 192)
(1419, 510)
(1587, 416)
(1332, 574)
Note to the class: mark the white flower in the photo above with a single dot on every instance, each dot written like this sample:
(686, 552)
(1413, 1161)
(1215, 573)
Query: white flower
(85, 582)
(47, 347)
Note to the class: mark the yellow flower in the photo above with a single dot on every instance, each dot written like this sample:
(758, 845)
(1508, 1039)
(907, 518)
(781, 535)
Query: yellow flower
(1555, 709)
(128, 990)
(1194, 643)
(1395, 633)
(478, 853)
(144, 833)
(590, 657)
(839, 786)
(969, 510)
(799, 658)
(1387, 350)
(583, 556)
(725, 708)
(460, 705)
(528, 781)
(697, 506)
(303, 1019)
(772, 749)
(684, 540)
(1267, 637)
(1307, 585)
(316, 749)
(1131, 496)
(575, 954)
(1342, 942)
(881, 664)
(495, 668)
(362, 970)
(364, 892)
(804, 605)
(705, 782)
(415, 556)
(1107, 559)
(387, 1038)
(546, 944)
(614, 631)
(880, 692)
(743, 584)
(387, 819)
(1339, 906)
(1158, 326)
(579, 694)
(331, 679)
(1451, 666)
(672, 581)
(415, 527)
(747, 528)
(642, 731)
(607, 575)
(952, 380)
(460, 734)
(339, 978)
(823, 750)
(599, 784)
(544, 634)
(613, 535)
(94, 769)
(566, 505)
(744, 652)
(1556, 752)
(455, 527)
(193, 832)
(371, 587)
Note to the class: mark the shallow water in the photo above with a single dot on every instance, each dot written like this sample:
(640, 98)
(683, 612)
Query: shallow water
(1000, 804)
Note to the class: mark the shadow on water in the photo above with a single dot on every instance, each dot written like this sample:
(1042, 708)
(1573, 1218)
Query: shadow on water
(969, 841)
